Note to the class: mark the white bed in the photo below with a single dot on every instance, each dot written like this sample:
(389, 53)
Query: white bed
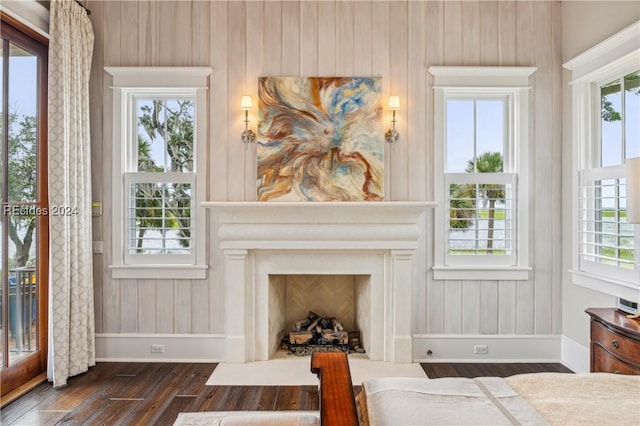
(539, 398)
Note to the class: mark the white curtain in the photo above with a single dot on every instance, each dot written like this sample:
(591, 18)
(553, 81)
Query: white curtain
(71, 315)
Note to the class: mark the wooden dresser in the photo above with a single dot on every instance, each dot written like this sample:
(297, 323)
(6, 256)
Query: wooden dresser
(615, 342)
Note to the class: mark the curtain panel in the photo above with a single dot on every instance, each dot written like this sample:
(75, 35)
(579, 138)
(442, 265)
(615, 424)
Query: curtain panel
(71, 311)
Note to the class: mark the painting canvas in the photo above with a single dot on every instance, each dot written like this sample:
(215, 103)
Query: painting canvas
(320, 139)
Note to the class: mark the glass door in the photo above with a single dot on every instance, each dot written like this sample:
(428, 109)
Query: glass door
(23, 220)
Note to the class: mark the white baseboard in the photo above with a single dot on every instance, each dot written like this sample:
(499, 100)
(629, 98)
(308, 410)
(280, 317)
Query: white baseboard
(112, 347)
(500, 348)
(575, 356)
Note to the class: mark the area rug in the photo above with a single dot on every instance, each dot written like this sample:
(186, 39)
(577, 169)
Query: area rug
(296, 371)
(244, 418)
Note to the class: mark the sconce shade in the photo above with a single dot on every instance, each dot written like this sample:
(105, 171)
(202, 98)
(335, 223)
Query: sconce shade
(246, 103)
(632, 167)
(394, 102)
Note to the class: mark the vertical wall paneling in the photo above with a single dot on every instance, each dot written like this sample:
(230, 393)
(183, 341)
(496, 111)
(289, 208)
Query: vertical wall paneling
(525, 56)
(362, 39)
(543, 182)
(380, 66)
(147, 311)
(453, 32)
(219, 138)
(254, 61)
(470, 310)
(129, 306)
(272, 65)
(556, 148)
(201, 306)
(453, 307)
(435, 306)
(507, 306)
(236, 57)
(291, 38)
(97, 189)
(489, 311)
(415, 111)
(165, 313)
(326, 38)
(525, 295)
(308, 39)
(111, 57)
(98, 289)
(398, 56)
(415, 104)
(396, 40)
(506, 33)
(344, 42)
(471, 33)
(525, 38)
(166, 32)
(432, 321)
(146, 32)
(488, 33)
(129, 40)
(182, 306)
(182, 34)
(200, 34)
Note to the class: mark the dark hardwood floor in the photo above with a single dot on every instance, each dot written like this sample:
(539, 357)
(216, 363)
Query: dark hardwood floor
(442, 369)
(154, 393)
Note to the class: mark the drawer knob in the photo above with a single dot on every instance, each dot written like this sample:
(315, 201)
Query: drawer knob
(615, 344)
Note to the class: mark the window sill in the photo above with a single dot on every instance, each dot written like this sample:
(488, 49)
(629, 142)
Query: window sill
(186, 272)
(606, 285)
(507, 273)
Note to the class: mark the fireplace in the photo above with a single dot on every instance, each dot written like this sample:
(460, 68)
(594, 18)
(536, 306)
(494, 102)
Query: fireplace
(259, 240)
(303, 307)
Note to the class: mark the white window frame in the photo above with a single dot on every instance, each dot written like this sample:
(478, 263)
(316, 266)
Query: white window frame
(511, 84)
(129, 84)
(618, 55)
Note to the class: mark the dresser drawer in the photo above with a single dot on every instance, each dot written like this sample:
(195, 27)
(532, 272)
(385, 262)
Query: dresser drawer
(617, 344)
(604, 362)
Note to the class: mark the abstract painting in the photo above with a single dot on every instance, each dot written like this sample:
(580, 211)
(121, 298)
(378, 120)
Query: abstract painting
(320, 139)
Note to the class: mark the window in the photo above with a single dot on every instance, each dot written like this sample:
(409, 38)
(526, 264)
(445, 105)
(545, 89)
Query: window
(606, 132)
(159, 141)
(24, 224)
(481, 127)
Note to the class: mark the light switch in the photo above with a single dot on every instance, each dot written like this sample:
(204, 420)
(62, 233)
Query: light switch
(96, 209)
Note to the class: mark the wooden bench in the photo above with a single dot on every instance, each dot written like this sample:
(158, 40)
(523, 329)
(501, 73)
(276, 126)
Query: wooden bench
(337, 403)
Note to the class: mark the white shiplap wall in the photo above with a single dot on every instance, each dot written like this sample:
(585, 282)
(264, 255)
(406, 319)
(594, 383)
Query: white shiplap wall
(395, 40)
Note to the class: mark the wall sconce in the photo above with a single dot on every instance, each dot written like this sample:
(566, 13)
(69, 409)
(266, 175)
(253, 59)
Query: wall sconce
(632, 168)
(392, 134)
(246, 104)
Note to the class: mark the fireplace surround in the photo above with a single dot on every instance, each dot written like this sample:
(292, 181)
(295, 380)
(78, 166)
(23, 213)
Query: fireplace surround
(257, 240)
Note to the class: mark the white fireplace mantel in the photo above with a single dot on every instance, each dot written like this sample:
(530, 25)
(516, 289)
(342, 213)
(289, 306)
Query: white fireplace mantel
(257, 239)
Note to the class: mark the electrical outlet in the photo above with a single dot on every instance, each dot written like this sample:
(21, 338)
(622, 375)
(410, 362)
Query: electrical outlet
(480, 349)
(157, 349)
(97, 247)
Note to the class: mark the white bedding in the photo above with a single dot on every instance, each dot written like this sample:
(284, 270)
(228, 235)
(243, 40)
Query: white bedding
(528, 399)
(446, 401)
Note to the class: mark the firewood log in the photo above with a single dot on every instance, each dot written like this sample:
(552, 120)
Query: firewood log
(300, 337)
(337, 325)
(314, 324)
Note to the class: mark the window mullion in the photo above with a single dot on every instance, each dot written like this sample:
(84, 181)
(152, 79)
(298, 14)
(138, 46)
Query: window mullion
(623, 120)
